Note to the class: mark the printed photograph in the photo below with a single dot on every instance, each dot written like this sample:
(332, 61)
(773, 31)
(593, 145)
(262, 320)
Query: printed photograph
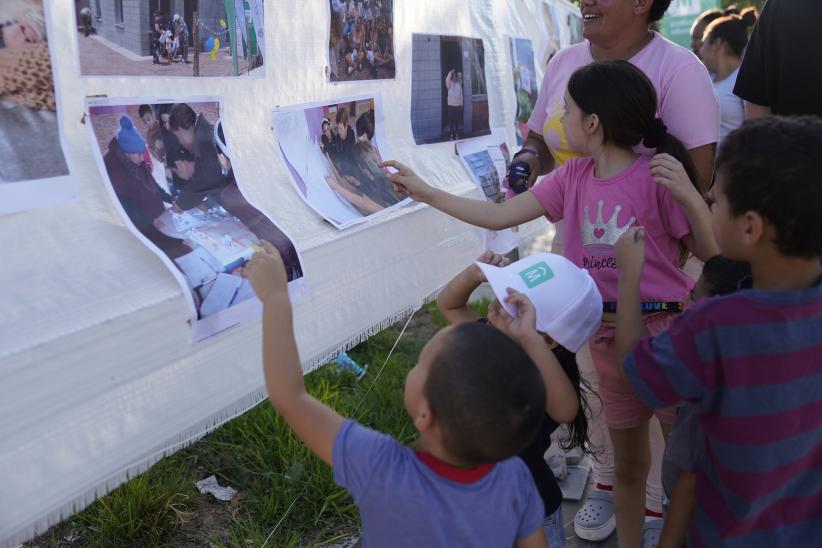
(168, 168)
(526, 86)
(487, 159)
(552, 35)
(361, 40)
(33, 168)
(449, 97)
(333, 152)
(171, 38)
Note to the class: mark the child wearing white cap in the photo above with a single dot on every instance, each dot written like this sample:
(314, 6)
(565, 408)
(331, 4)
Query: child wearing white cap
(564, 304)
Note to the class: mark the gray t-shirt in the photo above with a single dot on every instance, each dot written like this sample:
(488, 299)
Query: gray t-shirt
(404, 502)
(685, 444)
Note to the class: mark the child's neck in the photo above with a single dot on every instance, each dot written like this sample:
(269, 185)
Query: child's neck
(436, 450)
(610, 161)
(775, 272)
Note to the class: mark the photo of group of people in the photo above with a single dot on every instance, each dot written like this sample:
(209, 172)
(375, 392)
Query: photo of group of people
(361, 40)
(162, 38)
(33, 168)
(333, 152)
(449, 98)
(168, 168)
(525, 84)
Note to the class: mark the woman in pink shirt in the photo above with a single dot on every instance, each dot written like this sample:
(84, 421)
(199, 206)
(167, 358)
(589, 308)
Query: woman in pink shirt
(608, 110)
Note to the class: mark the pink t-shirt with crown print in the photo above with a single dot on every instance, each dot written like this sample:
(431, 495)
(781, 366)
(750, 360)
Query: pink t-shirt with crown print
(598, 211)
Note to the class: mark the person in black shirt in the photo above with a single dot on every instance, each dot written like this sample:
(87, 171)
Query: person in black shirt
(780, 72)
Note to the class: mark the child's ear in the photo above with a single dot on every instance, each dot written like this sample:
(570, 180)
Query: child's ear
(424, 419)
(753, 227)
(591, 123)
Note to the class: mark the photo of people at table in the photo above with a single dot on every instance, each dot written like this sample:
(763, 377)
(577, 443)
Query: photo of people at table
(169, 165)
(334, 154)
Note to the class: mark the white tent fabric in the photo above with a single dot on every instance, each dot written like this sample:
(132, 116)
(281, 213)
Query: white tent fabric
(98, 375)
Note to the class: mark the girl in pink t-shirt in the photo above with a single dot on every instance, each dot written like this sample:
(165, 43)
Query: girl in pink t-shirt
(610, 107)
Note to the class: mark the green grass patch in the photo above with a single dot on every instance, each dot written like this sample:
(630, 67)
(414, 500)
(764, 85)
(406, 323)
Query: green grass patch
(258, 455)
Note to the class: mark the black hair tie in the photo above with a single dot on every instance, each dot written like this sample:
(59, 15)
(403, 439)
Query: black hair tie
(656, 134)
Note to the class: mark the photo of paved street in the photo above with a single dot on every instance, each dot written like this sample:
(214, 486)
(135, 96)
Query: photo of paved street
(98, 59)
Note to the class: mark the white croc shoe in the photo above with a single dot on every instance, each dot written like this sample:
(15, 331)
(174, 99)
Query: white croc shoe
(596, 520)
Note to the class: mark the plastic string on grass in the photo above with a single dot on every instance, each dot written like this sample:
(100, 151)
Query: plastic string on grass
(354, 414)
(388, 357)
(293, 502)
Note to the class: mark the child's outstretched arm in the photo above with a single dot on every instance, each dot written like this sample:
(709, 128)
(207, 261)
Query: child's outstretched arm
(520, 209)
(629, 252)
(670, 173)
(453, 299)
(562, 403)
(313, 422)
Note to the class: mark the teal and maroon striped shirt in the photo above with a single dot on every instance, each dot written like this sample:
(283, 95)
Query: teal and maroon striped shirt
(752, 362)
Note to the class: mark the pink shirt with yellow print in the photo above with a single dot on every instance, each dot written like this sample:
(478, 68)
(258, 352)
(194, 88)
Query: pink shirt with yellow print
(686, 99)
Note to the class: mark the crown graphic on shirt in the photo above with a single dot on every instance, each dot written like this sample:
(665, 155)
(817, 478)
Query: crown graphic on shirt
(601, 233)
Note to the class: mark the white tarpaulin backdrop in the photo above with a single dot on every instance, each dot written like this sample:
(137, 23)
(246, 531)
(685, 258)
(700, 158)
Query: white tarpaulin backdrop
(98, 375)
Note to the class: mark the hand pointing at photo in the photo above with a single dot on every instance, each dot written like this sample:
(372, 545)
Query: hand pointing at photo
(266, 272)
(407, 183)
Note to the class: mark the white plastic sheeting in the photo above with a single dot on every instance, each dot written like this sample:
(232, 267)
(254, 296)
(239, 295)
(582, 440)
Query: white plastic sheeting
(98, 375)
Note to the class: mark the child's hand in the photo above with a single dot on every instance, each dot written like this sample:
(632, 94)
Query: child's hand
(670, 173)
(406, 182)
(266, 272)
(629, 252)
(519, 328)
(489, 257)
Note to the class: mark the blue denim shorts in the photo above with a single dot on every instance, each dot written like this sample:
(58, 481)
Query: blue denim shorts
(555, 529)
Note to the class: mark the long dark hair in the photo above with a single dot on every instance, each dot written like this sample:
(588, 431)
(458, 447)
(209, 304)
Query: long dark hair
(578, 429)
(625, 101)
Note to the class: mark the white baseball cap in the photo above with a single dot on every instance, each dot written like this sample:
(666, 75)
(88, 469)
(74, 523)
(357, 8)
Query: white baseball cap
(566, 299)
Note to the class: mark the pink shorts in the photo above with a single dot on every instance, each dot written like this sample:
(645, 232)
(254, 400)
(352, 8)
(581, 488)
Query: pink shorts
(620, 405)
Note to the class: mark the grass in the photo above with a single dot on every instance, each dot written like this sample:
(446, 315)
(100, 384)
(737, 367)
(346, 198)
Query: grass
(287, 497)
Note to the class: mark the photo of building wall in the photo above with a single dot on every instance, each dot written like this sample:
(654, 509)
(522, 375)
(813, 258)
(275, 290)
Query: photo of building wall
(433, 58)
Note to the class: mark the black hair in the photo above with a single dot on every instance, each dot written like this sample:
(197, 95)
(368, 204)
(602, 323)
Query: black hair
(181, 116)
(773, 166)
(577, 429)
(722, 276)
(366, 124)
(486, 393)
(625, 101)
(731, 29)
(658, 9)
(145, 109)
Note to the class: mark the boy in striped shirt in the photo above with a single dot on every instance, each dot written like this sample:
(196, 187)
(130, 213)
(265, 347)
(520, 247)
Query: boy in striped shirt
(750, 361)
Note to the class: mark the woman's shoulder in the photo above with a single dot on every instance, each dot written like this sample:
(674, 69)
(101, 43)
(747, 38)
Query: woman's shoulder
(665, 57)
(571, 57)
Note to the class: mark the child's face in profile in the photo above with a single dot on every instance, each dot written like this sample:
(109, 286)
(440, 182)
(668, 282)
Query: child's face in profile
(413, 397)
(725, 226)
(573, 120)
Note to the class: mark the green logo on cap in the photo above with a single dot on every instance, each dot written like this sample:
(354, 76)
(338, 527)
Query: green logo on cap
(536, 275)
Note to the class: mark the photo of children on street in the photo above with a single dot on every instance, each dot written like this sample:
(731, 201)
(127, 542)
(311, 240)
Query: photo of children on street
(361, 40)
(334, 154)
(168, 167)
(186, 38)
(30, 146)
(449, 98)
